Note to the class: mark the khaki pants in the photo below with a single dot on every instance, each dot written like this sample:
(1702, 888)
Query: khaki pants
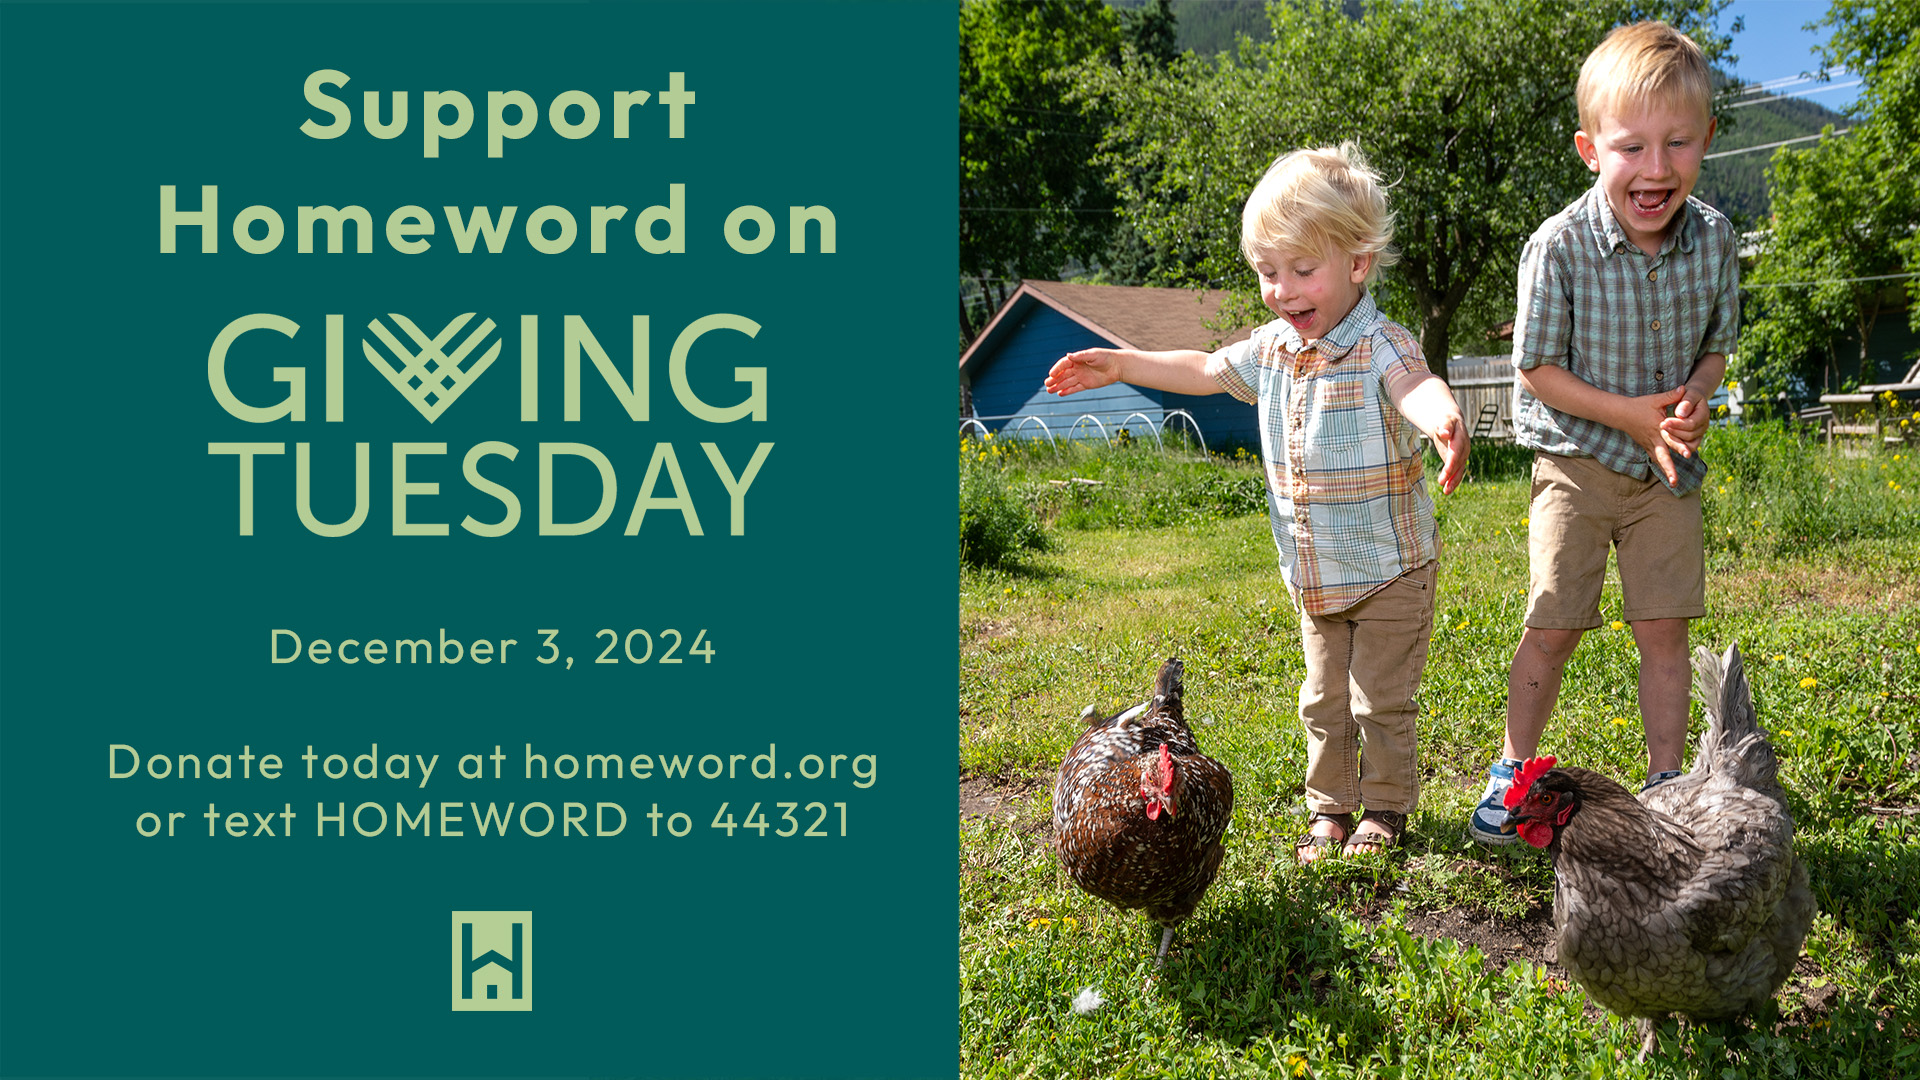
(1358, 701)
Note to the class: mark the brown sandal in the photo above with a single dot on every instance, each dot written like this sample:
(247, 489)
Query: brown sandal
(1367, 842)
(1307, 848)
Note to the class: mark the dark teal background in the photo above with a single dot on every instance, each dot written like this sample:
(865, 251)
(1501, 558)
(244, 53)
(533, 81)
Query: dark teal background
(134, 613)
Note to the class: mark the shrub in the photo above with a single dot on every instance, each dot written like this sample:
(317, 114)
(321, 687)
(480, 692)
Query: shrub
(996, 523)
(1143, 488)
(1774, 491)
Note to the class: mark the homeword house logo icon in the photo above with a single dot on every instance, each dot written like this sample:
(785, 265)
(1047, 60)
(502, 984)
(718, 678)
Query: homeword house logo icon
(493, 961)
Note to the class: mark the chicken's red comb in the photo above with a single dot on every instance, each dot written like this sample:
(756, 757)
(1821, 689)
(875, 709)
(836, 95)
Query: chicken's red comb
(1523, 779)
(1166, 770)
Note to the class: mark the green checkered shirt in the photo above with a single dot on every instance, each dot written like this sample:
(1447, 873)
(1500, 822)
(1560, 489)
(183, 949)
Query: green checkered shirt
(1346, 477)
(1621, 320)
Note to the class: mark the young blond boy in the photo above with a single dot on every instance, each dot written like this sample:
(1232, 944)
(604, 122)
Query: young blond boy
(1628, 305)
(1340, 390)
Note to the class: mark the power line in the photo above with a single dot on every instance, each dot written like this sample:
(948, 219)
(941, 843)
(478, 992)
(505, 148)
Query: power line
(1771, 145)
(1827, 281)
(1795, 94)
(1770, 85)
(1034, 131)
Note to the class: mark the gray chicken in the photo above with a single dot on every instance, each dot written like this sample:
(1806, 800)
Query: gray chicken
(1139, 813)
(1687, 899)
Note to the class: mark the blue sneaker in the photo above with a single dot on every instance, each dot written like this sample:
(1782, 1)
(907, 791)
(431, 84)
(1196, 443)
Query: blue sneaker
(1654, 780)
(1489, 824)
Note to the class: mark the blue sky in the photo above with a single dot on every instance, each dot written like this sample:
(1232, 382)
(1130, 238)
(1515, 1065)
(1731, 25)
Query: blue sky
(1772, 46)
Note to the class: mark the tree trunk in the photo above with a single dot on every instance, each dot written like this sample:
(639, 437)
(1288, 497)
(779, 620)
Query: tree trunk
(1869, 314)
(1436, 338)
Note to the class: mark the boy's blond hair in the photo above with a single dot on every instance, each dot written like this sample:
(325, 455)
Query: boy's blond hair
(1639, 64)
(1319, 202)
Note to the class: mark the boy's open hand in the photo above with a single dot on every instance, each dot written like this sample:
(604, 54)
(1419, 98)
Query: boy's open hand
(1088, 369)
(1450, 439)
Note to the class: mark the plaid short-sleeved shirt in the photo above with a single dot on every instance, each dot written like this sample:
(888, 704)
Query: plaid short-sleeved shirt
(1346, 483)
(1624, 321)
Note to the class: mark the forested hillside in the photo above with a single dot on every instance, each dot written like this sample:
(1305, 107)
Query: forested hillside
(1736, 185)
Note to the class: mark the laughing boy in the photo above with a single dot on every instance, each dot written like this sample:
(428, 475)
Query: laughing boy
(1628, 306)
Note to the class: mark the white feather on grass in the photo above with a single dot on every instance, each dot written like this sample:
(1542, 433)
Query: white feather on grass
(1087, 1001)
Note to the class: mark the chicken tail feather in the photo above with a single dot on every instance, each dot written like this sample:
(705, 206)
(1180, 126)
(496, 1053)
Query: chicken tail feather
(1721, 683)
(1733, 742)
(1167, 688)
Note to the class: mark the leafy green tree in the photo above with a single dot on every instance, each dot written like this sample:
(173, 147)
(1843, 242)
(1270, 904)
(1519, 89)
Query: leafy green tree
(1151, 30)
(1844, 212)
(1030, 201)
(1881, 41)
(1820, 283)
(1465, 106)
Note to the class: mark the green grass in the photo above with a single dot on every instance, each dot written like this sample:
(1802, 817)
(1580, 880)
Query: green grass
(1321, 972)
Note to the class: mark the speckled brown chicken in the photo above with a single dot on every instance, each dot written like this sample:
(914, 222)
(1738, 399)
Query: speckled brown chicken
(1139, 813)
(1687, 898)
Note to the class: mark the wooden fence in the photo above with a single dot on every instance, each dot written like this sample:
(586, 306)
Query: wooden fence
(1483, 385)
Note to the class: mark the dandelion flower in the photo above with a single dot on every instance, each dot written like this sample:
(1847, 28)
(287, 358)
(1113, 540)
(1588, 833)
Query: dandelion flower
(1618, 625)
(1523, 521)
(1809, 683)
(1779, 656)
(1009, 591)
(1297, 1064)
(1723, 491)
(1621, 720)
(1038, 922)
(1087, 1000)
(1071, 923)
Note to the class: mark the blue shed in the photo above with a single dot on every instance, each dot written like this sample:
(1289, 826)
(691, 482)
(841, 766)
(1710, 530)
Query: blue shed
(1044, 320)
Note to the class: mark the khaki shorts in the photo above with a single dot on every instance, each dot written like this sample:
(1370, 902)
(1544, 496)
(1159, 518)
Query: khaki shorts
(1580, 508)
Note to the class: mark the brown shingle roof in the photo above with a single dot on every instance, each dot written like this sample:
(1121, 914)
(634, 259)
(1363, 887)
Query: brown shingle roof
(1146, 318)
(1132, 317)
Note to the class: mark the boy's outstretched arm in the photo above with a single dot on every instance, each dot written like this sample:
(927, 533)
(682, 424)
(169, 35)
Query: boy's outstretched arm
(1182, 371)
(1428, 405)
(1688, 424)
(1641, 418)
